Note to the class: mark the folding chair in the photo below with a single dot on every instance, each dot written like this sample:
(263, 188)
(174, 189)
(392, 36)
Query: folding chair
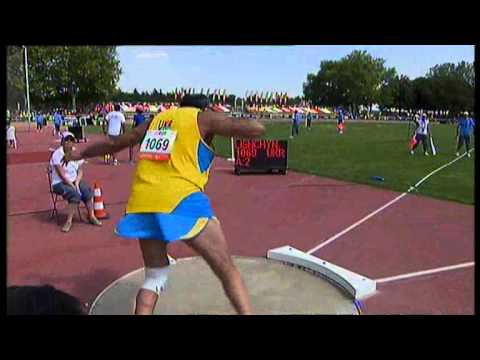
(56, 198)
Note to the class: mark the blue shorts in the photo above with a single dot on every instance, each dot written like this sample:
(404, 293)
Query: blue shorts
(71, 195)
(185, 222)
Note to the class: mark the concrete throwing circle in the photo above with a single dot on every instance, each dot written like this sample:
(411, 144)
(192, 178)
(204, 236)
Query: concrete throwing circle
(193, 289)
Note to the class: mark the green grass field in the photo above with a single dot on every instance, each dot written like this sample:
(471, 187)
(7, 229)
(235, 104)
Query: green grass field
(374, 149)
(369, 149)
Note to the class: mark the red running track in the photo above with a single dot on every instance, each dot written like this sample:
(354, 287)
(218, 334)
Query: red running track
(258, 212)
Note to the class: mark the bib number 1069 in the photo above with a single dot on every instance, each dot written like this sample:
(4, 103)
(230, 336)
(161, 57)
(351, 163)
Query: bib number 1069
(157, 144)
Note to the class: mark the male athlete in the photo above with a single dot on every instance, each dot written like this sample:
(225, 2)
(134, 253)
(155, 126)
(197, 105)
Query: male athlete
(297, 117)
(167, 202)
(138, 119)
(464, 131)
(421, 134)
(58, 121)
(116, 127)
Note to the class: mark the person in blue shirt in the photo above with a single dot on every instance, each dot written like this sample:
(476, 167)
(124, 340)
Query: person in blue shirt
(464, 131)
(39, 120)
(297, 118)
(58, 122)
(138, 119)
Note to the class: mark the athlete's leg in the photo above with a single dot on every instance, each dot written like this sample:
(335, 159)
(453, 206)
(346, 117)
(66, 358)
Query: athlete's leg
(459, 144)
(155, 256)
(417, 138)
(212, 246)
(461, 140)
(425, 143)
(467, 143)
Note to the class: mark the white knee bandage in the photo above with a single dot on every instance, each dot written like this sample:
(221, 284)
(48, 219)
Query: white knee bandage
(156, 279)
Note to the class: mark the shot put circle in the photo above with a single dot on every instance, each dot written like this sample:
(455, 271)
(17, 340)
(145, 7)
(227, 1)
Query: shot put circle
(193, 289)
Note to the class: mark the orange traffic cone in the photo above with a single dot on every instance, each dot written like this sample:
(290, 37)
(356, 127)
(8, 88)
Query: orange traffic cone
(98, 208)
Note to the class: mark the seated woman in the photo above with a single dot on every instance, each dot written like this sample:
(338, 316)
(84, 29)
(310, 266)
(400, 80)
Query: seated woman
(67, 182)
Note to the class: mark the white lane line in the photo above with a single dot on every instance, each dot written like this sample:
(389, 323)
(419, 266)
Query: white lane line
(425, 272)
(113, 283)
(359, 222)
(440, 168)
(116, 281)
(335, 237)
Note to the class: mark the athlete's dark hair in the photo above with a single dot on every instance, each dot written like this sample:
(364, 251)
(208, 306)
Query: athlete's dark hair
(198, 101)
(41, 300)
(116, 107)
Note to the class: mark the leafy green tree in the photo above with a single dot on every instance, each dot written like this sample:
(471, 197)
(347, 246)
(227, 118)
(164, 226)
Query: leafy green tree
(15, 77)
(397, 93)
(155, 96)
(357, 79)
(424, 98)
(453, 86)
(60, 74)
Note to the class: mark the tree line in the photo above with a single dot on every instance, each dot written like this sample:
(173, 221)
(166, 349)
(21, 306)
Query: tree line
(360, 80)
(66, 76)
(62, 76)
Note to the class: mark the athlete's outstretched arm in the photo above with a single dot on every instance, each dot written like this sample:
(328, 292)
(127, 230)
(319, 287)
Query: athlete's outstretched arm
(212, 123)
(112, 146)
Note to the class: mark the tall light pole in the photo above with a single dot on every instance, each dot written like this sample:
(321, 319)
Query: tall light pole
(74, 90)
(27, 88)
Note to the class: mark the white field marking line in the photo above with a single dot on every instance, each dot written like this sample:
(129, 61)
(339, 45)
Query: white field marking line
(110, 286)
(440, 168)
(359, 222)
(333, 238)
(425, 272)
(114, 282)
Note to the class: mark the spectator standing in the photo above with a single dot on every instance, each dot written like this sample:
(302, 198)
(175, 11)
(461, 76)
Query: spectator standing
(297, 118)
(39, 118)
(464, 131)
(116, 127)
(58, 122)
(11, 138)
(138, 119)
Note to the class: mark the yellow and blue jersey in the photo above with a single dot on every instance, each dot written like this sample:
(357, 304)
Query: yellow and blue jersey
(159, 186)
(167, 200)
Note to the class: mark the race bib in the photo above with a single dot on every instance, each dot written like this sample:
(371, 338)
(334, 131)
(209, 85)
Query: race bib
(158, 144)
